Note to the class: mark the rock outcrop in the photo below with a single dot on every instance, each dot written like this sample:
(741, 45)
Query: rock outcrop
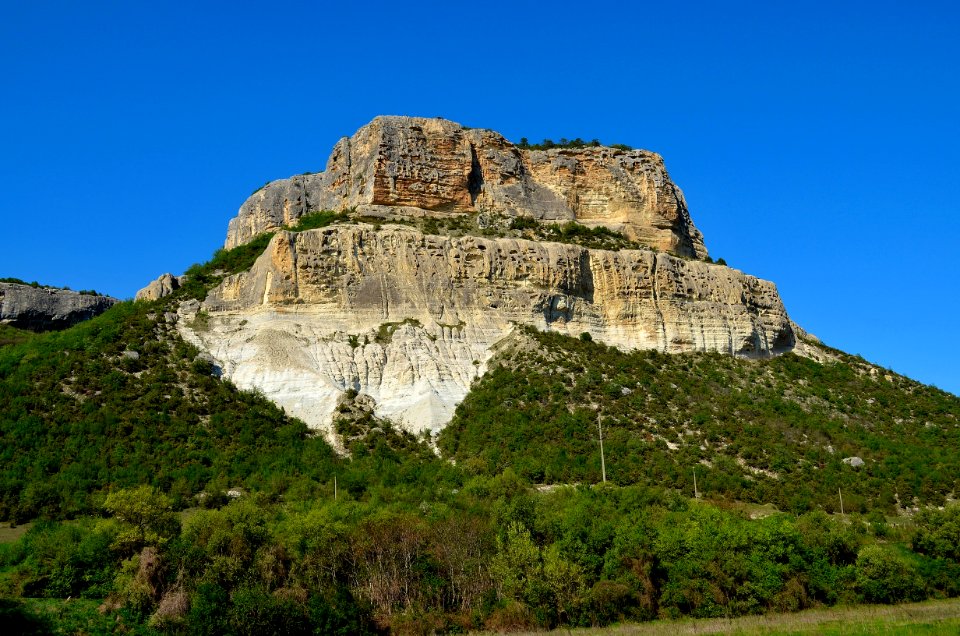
(419, 166)
(163, 286)
(411, 319)
(48, 308)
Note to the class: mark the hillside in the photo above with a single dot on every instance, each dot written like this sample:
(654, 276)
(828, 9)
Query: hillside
(772, 431)
(394, 538)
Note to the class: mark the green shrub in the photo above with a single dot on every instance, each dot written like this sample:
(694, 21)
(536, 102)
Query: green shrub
(883, 576)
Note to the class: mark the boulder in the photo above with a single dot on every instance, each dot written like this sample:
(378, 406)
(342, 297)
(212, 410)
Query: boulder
(165, 285)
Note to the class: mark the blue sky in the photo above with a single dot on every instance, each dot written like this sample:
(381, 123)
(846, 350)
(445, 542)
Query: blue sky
(818, 145)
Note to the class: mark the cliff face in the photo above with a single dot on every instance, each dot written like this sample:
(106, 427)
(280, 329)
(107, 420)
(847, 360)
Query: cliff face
(418, 166)
(411, 319)
(45, 308)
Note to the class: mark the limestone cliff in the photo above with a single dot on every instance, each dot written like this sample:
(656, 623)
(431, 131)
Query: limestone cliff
(411, 319)
(419, 166)
(46, 308)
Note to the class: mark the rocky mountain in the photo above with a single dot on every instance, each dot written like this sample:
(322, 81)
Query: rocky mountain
(525, 339)
(45, 308)
(386, 305)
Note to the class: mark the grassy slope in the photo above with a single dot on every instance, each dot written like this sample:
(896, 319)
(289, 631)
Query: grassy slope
(930, 617)
(754, 430)
(11, 335)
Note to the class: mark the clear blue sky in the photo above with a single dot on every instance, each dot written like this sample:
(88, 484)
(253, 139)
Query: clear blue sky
(818, 143)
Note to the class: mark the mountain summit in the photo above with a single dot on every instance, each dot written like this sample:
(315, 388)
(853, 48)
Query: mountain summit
(418, 166)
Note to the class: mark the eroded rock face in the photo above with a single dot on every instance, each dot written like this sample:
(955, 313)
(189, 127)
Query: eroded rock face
(418, 166)
(411, 319)
(46, 308)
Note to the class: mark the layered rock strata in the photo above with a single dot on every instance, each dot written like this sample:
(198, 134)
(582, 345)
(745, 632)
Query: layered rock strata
(419, 166)
(411, 319)
(48, 308)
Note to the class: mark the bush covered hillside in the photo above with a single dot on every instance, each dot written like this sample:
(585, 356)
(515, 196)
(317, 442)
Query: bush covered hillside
(142, 493)
(772, 430)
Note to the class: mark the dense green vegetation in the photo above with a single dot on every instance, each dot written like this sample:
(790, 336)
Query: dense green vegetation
(765, 431)
(178, 504)
(120, 400)
(491, 554)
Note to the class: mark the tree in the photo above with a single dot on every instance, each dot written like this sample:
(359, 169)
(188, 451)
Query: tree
(146, 516)
(517, 563)
(566, 581)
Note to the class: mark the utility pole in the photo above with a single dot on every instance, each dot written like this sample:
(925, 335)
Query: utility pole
(696, 495)
(841, 500)
(603, 463)
(334, 487)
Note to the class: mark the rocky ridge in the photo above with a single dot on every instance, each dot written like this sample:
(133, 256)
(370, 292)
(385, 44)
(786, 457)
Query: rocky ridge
(48, 308)
(414, 166)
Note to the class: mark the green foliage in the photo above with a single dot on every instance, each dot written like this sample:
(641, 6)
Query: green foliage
(547, 144)
(65, 617)
(524, 223)
(57, 560)
(517, 566)
(937, 533)
(11, 335)
(314, 220)
(766, 431)
(598, 237)
(146, 517)
(386, 330)
(201, 278)
(76, 418)
(883, 576)
(17, 281)
(493, 555)
(570, 232)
